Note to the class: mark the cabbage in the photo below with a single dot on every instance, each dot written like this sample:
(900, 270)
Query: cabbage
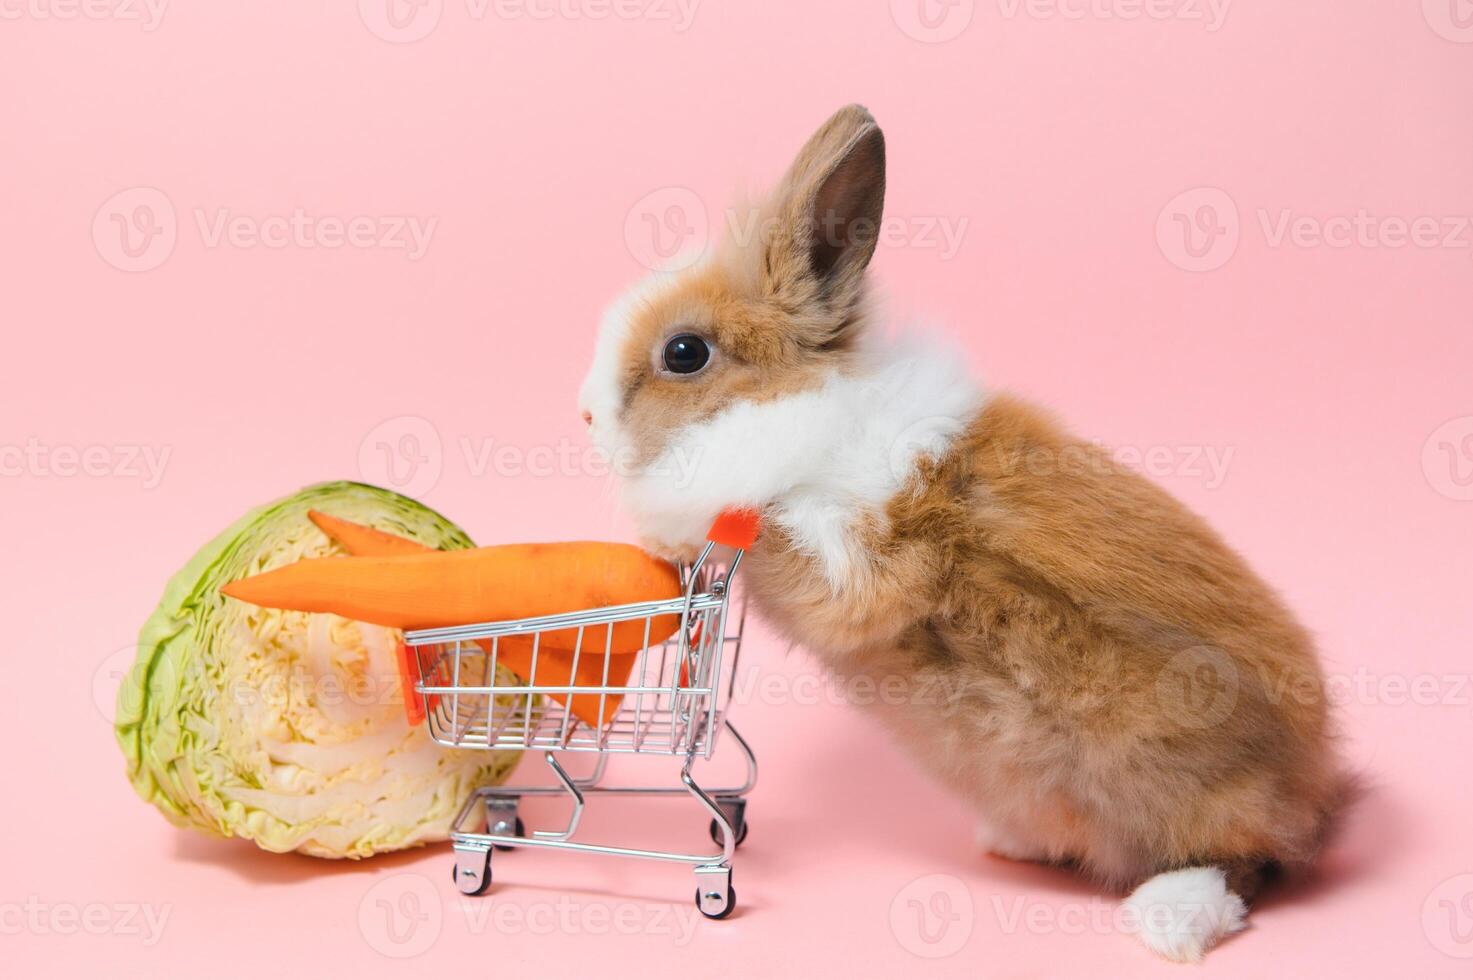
(288, 728)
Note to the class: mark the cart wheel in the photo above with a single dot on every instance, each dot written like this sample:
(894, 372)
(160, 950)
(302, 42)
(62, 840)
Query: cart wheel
(472, 872)
(723, 911)
(741, 832)
(520, 831)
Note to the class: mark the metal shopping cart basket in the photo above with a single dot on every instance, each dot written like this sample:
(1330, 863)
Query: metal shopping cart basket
(669, 702)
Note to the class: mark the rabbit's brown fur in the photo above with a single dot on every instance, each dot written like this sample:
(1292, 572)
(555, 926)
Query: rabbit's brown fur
(1041, 593)
(1062, 643)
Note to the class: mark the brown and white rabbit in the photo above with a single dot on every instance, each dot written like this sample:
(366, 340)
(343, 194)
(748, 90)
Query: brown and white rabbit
(917, 528)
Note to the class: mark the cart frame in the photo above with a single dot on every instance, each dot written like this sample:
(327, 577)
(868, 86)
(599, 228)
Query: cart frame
(672, 704)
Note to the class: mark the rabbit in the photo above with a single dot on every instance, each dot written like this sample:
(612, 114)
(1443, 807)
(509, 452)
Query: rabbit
(1088, 664)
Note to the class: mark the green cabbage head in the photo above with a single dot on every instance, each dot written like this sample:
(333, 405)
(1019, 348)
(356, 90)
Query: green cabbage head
(288, 728)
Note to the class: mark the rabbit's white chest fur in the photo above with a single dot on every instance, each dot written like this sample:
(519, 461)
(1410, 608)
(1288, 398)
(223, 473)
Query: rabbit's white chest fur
(823, 462)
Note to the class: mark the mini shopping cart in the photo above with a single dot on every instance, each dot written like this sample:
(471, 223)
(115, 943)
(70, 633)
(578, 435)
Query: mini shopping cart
(671, 704)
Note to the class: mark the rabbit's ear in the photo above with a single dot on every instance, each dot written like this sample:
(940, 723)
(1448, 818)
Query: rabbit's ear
(828, 210)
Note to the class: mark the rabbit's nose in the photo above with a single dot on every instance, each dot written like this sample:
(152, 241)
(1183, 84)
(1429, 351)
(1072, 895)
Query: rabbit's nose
(587, 417)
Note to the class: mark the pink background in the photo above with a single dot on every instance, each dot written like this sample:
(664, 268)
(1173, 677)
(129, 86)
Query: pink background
(1337, 377)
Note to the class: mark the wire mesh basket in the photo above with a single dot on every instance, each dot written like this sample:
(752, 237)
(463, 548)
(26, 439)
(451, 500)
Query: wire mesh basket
(572, 683)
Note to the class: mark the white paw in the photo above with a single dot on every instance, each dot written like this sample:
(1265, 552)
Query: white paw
(1182, 914)
(1002, 844)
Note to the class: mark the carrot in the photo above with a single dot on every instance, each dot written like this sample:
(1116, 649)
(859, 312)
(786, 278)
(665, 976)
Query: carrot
(502, 582)
(554, 668)
(554, 665)
(357, 539)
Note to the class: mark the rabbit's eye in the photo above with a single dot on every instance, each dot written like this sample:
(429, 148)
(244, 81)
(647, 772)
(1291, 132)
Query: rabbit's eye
(686, 354)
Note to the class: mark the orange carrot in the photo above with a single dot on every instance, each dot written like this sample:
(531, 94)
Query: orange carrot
(445, 588)
(555, 669)
(359, 540)
(554, 664)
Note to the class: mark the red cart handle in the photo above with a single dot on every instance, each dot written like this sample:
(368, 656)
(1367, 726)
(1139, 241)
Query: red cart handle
(736, 528)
